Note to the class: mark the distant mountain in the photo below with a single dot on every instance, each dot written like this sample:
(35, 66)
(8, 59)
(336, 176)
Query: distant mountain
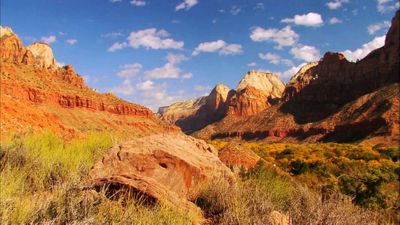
(37, 94)
(330, 100)
(255, 92)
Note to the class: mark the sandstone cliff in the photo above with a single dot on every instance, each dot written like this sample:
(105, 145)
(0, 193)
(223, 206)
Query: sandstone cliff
(36, 94)
(255, 92)
(330, 100)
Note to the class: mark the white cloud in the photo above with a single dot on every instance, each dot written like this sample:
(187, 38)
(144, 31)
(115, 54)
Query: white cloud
(306, 53)
(60, 64)
(176, 58)
(251, 64)
(335, 20)
(336, 4)
(384, 6)
(129, 70)
(71, 41)
(48, 39)
(154, 39)
(186, 5)
(291, 72)
(125, 88)
(114, 1)
(360, 53)
(235, 10)
(158, 96)
(373, 28)
(145, 85)
(231, 49)
(272, 58)
(186, 76)
(219, 46)
(310, 19)
(169, 70)
(117, 46)
(138, 2)
(283, 37)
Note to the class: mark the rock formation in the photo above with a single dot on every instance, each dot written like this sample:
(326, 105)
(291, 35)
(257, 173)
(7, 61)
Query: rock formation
(255, 92)
(330, 100)
(193, 115)
(162, 169)
(37, 95)
(43, 55)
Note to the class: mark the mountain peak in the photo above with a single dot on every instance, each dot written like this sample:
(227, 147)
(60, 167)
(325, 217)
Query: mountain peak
(43, 54)
(6, 31)
(263, 81)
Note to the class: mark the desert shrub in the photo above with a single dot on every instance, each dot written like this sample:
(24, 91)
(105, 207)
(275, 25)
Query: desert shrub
(298, 167)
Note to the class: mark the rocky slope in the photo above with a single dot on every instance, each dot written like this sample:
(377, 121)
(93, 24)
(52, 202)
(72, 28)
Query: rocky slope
(330, 100)
(36, 94)
(255, 92)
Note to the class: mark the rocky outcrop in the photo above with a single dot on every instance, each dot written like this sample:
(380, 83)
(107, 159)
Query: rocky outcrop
(38, 95)
(43, 55)
(181, 110)
(161, 169)
(330, 100)
(255, 92)
(193, 115)
(320, 90)
(12, 50)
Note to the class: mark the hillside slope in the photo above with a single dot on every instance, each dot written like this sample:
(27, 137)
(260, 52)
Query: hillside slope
(36, 94)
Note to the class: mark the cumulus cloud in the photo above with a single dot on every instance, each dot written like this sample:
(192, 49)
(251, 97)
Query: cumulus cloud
(145, 85)
(186, 76)
(71, 41)
(114, 1)
(117, 46)
(310, 19)
(186, 5)
(366, 48)
(335, 20)
(158, 96)
(169, 70)
(290, 72)
(129, 70)
(384, 6)
(283, 37)
(138, 2)
(373, 28)
(272, 58)
(336, 4)
(48, 39)
(306, 53)
(154, 39)
(124, 89)
(219, 46)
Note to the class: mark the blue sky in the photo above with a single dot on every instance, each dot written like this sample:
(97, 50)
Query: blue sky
(155, 52)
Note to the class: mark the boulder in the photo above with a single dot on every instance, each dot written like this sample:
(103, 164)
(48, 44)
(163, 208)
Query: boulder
(43, 55)
(171, 167)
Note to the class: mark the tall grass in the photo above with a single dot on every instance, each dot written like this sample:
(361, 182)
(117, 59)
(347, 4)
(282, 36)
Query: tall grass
(42, 180)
